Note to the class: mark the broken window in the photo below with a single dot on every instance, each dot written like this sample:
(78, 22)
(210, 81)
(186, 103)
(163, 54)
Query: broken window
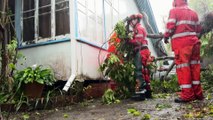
(45, 20)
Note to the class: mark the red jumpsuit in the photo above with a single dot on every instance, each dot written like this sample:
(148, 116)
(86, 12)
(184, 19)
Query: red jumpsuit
(183, 27)
(141, 45)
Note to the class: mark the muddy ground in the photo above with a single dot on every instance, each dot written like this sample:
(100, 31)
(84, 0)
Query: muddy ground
(155, 109)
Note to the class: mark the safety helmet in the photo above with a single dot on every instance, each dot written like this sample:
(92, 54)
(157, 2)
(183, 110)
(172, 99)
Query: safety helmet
(139, 16)
(133, 16)
(178, 3)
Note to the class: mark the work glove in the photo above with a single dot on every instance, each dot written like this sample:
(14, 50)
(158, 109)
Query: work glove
(166, 41)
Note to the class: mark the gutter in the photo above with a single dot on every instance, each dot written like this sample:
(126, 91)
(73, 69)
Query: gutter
(73, 41)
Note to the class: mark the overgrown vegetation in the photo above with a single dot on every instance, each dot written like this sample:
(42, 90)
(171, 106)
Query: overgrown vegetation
(207, 45)
(207, 78)
(165, 86)
(109, 97)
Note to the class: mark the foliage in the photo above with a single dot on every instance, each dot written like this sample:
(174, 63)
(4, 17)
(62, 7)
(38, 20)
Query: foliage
(119, 64)
(207, 78)
(109, 97)
(134, 112)
(66, 115)
(207, 45)
(26, 117)
(120, 29)
(37, 74)
(162, 106)
(201, 6)
(165, 86)
(200, 111)
(146, 117)
(7, 86)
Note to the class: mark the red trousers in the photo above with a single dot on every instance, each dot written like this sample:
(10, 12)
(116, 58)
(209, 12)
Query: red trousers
(187, 59)
(145, 55)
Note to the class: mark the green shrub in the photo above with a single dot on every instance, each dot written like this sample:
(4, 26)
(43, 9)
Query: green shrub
(37, 74)
(207, 78)
(119, 65)
(165, 86)
(109, 97)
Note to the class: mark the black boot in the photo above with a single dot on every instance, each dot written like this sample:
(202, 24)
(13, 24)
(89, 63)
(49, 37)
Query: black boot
(179, 100)
(139, 96)
(148, 94)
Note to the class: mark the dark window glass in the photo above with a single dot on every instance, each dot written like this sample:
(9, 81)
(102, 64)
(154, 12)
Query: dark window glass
(62, 17)
(28, 21)
(44, 19)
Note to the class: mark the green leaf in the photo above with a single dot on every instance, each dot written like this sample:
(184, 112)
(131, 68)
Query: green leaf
(132, 110)
(12, 66)
(66, 115)
(146, 117)
(188, 115)
(137, 113)
(26, 117)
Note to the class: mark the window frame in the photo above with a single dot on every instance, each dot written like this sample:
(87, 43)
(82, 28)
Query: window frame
(19, 11)
(86, 39)
(102, 45)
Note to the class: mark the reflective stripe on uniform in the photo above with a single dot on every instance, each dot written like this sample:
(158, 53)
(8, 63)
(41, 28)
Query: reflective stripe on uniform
(144, 45)
(169, 31)
(186, 86)
(183, 34)
(187, 22)
(194, 62)
(182, 65)
(195, 82)
(139, 35)
(171, 20)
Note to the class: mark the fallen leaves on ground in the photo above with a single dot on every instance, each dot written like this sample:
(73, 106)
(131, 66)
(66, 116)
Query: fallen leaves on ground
(146, 117)
(134, 112)
(162, 106)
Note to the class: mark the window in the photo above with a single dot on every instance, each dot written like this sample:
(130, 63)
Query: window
(28, 21)
(111, 15)
(44, 20)
(62, 17)
(12, 20)
(90, 20)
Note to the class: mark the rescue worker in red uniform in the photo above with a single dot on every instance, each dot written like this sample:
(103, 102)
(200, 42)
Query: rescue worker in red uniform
(183, 27)
(142, 55)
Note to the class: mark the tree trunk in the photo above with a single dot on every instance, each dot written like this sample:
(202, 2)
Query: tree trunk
(4, 55)
(3, 30)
